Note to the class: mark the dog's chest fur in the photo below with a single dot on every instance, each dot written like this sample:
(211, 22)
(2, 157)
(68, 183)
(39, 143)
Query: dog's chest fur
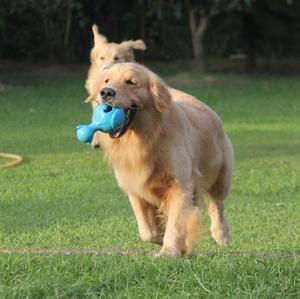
(133, 180)
(145, 183)
(139, 171)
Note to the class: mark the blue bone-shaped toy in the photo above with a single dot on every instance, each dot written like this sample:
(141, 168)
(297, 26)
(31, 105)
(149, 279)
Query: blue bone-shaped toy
(105, 118)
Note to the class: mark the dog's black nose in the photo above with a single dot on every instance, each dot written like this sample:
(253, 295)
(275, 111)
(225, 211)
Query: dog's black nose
(107, 93)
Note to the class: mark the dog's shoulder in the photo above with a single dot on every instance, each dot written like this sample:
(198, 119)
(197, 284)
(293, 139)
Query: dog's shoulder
(200, 114)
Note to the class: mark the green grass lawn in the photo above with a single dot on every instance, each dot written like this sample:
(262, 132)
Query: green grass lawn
(64, 196)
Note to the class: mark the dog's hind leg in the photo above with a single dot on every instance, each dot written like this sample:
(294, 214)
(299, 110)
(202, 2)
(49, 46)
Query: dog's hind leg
(219, 225)
(146, 217)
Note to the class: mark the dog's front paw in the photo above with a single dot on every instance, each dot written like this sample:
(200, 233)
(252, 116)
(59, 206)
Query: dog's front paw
(169, 252)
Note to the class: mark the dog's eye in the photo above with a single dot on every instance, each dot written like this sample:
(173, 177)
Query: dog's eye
(116, 58)
(102, 58)
(106, 81)
(130, 82)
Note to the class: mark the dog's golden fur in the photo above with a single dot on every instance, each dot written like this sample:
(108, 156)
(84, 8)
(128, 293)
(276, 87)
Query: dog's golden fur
(174, 151)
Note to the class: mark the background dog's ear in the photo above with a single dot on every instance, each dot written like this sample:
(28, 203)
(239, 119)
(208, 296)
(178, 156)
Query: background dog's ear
(135, 44)
(160, 93)
(139, 45)
(98, 38)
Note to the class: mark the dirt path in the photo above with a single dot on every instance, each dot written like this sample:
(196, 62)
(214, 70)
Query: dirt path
(123, 252)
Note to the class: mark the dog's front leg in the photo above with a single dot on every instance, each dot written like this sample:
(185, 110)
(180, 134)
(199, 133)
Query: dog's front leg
(146, 217)
(183, 223)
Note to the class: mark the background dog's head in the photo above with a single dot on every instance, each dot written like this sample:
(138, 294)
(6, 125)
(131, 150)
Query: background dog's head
(104, 54)
(133, 87)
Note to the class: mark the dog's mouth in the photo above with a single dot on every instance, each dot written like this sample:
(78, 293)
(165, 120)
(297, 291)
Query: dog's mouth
(129, 114)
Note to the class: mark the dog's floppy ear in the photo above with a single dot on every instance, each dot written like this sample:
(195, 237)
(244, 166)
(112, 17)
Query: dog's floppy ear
(90, 98)
(135, 44)
(160, 93)
(98, 38)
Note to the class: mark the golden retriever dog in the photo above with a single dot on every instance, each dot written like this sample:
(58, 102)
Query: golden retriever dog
(103, 55)
(171, 151)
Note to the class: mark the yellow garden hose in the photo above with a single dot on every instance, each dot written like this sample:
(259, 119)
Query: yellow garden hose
(16, 160)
